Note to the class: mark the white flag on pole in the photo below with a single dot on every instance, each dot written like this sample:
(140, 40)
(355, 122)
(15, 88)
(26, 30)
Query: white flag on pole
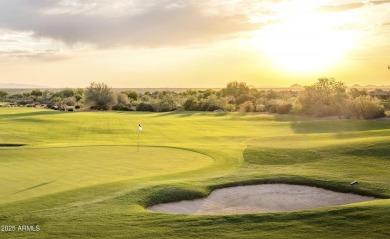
(139, 127)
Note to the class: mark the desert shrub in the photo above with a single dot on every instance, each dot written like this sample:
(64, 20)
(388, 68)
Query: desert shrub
(213, 102)
(145, 98)
(77, 107)
(122, 99)
(284, 109)
(354, 93)
(99, 96)
(165, 102)
(165, 106)
(235, 89)
(324, 98)
(247, 106)
(131, 94)
(230, 107)
(364, 107)
(3, 94)
(296, 107)
(260, 108)
(273, 108)
(144, 107)
(121, 107)
(243, 98)
(191, 104)
(213, 107)
(69, 101)
(386, 105)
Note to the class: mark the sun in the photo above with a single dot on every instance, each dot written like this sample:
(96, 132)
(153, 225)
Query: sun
(304, 44)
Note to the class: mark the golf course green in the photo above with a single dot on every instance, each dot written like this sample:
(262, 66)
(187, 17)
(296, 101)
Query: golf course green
(92, 174)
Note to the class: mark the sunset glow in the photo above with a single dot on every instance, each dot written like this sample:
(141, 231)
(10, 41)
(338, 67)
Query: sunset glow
(304, 44)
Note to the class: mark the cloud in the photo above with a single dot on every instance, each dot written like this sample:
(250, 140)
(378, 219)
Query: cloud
(41, 55)
(340, 8)
(379, 2)
(129, 23)
(8, 41)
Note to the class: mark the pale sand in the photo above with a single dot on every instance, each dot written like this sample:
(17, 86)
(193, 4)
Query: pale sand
(260, 199)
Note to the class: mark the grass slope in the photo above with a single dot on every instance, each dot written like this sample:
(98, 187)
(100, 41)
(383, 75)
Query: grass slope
(81, 175)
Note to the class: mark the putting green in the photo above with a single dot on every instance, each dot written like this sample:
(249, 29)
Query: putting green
(29, 172)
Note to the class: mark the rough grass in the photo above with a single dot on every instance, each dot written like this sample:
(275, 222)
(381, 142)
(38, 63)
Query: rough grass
(80, 175)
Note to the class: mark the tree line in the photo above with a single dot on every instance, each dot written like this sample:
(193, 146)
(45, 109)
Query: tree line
(327, 97)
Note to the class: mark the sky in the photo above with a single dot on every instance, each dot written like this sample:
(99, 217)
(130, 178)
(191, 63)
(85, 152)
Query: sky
(193, 44)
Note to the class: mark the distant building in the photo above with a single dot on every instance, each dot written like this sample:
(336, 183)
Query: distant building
(380, 94)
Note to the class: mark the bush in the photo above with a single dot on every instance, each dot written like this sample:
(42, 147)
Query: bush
(122, 107)
(122, 99)
(191, 104)
(243, 98)
(247, 106)
(144, 107)
(284, 109)
(386, 105)
(212, 102)
(273, 109)
(99, 96)
(324, 98)
(131, 94)
(364, 107)
(69, 101)
(296, 107)
(230, 107)
(165, 106)
(213, 107)
(260, 108)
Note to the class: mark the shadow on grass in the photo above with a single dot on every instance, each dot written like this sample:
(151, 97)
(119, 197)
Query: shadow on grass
(336, 126)
(36, 186)
(12, 145)
(183, 114)
(28, 114)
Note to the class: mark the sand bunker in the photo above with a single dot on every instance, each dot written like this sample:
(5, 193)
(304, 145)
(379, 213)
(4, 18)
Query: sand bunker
(260, 198)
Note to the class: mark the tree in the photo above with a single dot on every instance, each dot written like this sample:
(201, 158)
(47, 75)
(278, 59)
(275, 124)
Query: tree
(99, 96)
(131, 94)
(191, 104)
(123, 99)
(69, 101)
(235, 89)
(324, 98)
(144, 107)
(247, 106)
(165, 102)
(364, 107)
(3, 94)
(243, 98)
(36, 93)
(65, 93)
(356, 93)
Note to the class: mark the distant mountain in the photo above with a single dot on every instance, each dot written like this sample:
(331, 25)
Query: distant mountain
(20, 86)
(296, 86)
(370, 86)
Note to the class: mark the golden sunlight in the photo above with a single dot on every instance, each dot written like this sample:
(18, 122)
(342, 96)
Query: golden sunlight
(305, 44)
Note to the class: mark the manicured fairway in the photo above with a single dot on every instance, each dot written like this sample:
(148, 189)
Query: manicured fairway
(83, 175)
